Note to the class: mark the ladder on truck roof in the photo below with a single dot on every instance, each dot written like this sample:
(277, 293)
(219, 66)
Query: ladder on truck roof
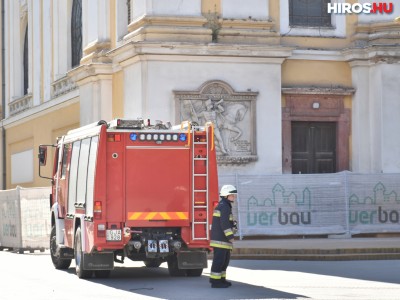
(200, 181)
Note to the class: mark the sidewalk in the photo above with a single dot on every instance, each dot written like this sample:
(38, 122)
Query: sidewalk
(318, 249)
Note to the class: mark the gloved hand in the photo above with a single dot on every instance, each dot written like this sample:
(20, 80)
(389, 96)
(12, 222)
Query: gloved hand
(234, 228)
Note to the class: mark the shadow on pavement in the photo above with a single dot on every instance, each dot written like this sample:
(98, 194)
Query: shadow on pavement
(156, 282)
(373, 270)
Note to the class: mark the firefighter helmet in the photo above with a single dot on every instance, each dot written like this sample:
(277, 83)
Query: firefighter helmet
(227, 190)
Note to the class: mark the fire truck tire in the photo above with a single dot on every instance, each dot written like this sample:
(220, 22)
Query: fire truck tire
(79, 256)
(173, 268)
(194, 272)
(60, 264)
(152, 263)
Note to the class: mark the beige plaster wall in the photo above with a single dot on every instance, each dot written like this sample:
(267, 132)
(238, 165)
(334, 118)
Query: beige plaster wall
(41, 130)
(310, 73)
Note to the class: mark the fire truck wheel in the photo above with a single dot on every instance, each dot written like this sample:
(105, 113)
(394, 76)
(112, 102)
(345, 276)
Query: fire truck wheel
(60, 264)
(194, 272)
(173, 267)
(152, 263)
(79, 256)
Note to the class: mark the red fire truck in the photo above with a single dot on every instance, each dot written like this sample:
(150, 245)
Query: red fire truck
(126, 188)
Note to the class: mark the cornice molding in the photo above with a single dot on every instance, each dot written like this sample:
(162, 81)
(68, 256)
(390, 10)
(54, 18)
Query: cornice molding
(91, 72)
(42, 109)
(375, 34)
(202, 52)
(373, 54)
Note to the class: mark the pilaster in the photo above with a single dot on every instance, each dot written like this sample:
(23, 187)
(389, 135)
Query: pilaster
(95, 90)
(375, 62)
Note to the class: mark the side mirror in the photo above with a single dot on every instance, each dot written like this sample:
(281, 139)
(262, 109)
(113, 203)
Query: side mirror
(42, 155)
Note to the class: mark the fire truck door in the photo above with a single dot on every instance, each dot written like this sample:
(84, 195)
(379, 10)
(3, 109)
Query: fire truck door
(157, 186)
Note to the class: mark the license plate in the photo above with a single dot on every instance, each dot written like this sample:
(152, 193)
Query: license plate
(163, 246)
(154, 245)
(114, 235)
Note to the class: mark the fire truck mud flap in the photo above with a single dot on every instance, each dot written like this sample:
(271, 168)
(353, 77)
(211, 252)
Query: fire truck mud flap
(98, 261)
(66, 253)
(192, 259)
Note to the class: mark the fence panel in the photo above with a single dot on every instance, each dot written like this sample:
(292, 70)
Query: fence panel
(35, 217)
(10, 221)
(374, 203)
(311, 204)
(25, 218)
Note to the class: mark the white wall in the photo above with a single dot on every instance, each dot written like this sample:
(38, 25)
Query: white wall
(149, 88)
(378, 17)
(166, 8)
(47, 49)
(375, 118)
(390, 118)
(95, 101)
(121, 19)
(14, 37)
(35, 52)
(61, 38)
(95, 22)
(239, 9)
(134, 92)
(361, 151)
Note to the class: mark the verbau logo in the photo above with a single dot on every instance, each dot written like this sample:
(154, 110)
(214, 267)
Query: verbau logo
(358, 8)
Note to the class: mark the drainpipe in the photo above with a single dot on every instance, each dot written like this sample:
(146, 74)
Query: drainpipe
(3, 97)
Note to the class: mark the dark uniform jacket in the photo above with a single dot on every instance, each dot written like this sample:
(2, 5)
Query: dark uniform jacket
(222, 225)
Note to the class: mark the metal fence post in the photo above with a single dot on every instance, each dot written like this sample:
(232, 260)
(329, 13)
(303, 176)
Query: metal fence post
(346, 202)
(238, 206)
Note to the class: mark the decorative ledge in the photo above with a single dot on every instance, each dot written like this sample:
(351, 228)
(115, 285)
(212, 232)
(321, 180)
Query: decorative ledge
(19, 105)
(236, 160)
(341, 91)
(63, 86)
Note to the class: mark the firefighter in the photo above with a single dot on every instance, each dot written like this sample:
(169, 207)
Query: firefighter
(222, 234)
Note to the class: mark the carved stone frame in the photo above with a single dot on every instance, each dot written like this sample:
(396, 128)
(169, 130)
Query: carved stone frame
(237, 106)
(317, 105)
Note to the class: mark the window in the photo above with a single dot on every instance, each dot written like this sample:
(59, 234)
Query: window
(73, 174)
(22, 167)
(65, 160)
(76, 32)
(26, 62)
(309, 13)
(82, 171)
(91, 175)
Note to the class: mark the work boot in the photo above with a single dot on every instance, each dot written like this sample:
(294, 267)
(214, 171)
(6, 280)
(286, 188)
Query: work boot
(226, 281)
(220, 284)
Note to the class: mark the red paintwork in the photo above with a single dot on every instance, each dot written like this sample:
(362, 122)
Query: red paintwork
(131, 179)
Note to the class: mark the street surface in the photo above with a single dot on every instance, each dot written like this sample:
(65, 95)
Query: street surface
(32, 276)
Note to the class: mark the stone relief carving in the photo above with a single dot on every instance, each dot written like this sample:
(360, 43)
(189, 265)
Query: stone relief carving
(233, 116)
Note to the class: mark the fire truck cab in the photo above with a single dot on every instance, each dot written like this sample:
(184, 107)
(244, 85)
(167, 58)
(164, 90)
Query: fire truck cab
(128, 189)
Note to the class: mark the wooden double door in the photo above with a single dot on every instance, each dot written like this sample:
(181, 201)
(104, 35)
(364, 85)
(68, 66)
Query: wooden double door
(313, 147)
